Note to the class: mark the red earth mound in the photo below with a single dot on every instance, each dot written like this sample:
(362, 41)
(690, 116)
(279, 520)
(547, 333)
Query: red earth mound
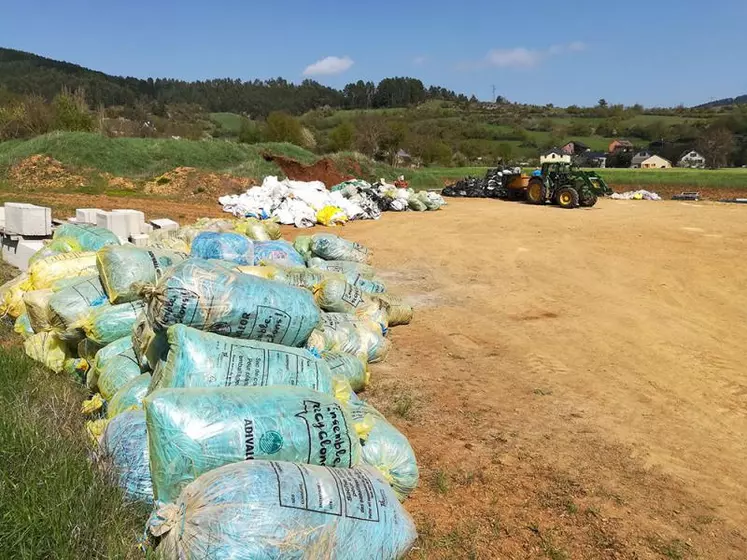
(323, 170)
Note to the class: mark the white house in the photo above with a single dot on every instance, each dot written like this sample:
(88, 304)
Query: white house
(553, 156)
(656, 162)
(691, 159)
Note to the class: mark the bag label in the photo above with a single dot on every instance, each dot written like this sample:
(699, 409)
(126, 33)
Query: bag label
(269, 325)
(180, 306)
(340, 492)
(245, 366)
(352, 295)
(329, 437)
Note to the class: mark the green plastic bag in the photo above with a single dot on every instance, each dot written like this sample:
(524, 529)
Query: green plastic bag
(129, 397)
(124, 269)
(88, 236)
(213, 298)
(105, 324)
(341, 332)
(118, 372)
(201, 359)
(352, 367)
(277, 510)
(335, 295)
(75, 302)
(120, 354)
(385, 448)
(124, 444)
(192, 431)
(351, 270)
(334, 248)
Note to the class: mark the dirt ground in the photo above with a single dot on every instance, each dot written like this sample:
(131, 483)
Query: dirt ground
(574, 382)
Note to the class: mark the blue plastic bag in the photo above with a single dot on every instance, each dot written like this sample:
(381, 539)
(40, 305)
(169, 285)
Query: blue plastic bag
(119, 355)
(267, 510)
(125, 444)
(334, 248)
(350, 269)
(277, 252)
(213, 298)
(201, 359)
(75, 301)
(192, 431)
(232, 247)
(354, 368)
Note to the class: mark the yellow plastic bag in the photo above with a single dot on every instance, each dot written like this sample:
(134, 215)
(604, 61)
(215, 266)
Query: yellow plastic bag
(11, 296)
(41, 317)
(331, 216)
(45, 272)
(48, 349)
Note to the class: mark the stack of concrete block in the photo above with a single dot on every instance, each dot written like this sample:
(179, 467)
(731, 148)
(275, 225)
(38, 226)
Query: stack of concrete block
(18, 251)
(164, 224)
(87, 215)
(116, 222)
(28, 220)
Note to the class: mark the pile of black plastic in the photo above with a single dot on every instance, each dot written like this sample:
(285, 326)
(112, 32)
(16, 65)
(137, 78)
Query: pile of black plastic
(490, 186)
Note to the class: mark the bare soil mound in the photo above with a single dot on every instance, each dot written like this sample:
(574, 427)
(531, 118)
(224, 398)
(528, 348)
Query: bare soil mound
(40, 172)
(323, 170)
(194, 184)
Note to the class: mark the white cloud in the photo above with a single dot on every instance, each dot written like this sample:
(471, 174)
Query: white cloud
(419, 60)
(329, 66)
(514, 58)
(521, 57)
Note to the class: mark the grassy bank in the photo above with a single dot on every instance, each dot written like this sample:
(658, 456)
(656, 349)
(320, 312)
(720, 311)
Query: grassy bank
(53, 504)
(148, 157)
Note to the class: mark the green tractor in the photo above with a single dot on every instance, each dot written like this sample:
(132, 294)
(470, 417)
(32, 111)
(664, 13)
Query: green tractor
(566, 185)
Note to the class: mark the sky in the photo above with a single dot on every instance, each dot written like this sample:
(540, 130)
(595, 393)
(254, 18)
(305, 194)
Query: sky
(657, 53)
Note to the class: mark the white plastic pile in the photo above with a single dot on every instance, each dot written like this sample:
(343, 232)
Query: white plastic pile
(305, 204)
(636, 195)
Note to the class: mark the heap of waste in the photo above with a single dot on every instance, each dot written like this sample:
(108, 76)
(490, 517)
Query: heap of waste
(636, 195)
(223, 365)
(304, 204)
(487, 187)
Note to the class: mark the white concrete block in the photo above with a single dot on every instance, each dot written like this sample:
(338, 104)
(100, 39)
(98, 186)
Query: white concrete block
(73, 220)
(139, 239)
(135, 220)
(19, 252)
(116, 223)
(87, 215)
(147, 228)
(28, 219)
(2, 216)
(164, 223)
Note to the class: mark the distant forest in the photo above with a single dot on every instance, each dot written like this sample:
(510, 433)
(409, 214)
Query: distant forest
(27, 74)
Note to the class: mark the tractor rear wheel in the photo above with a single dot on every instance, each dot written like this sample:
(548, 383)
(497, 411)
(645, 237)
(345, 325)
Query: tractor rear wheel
(536, 191)
(588, 201)
(567, 197)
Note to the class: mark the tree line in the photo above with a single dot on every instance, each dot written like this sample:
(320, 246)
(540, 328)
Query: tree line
(29, 74)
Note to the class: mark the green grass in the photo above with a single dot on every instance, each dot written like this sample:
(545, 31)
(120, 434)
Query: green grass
(690, 178)
(230, 123)
(53, 502)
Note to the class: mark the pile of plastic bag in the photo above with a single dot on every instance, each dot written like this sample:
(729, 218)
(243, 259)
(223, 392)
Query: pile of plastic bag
(636, 195)
(305, 204)
(223, 365)
(490, 186)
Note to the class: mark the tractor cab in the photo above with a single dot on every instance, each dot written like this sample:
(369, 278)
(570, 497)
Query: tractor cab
(566, 185)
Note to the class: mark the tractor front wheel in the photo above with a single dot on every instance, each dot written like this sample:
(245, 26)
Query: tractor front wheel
(567, 197)
(588, 201)
(536, 192)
